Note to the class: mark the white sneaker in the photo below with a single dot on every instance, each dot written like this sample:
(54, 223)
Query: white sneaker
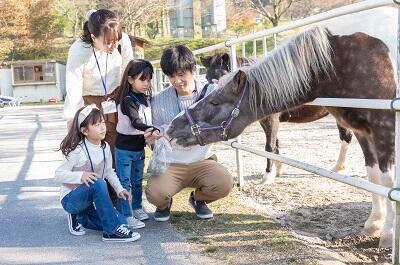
(134, 223)
(140, 214)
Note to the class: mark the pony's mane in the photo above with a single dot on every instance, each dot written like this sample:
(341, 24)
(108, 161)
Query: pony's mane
(285, 74)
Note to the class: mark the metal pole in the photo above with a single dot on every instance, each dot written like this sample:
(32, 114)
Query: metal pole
(244, 49)
(396, 225)
(255, 49)
(239, 162)
(355, 182)
(275, 41)
(265, 48)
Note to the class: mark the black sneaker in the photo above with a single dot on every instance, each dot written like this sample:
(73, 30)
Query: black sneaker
(200, 207)
(122, 234)
(74, 227)
(164, 214)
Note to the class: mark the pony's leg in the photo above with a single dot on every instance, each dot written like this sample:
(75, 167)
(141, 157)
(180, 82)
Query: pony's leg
(278, 165)
(345, 137)
(375, 220)
(387, 179)
(270, 126)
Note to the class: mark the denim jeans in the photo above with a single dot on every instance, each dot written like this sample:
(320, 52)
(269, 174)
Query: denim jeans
(93, 207)
(129, 167)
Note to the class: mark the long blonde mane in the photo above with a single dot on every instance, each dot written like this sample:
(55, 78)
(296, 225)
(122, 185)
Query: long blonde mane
(285, 74)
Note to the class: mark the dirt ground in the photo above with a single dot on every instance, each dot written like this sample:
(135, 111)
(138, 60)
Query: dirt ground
(325, 212)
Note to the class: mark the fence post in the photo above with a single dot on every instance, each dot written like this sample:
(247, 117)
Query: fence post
(244, 49)
(275, 41)
(254, 49)
(396, 228)
(265, 48)
(239, 162)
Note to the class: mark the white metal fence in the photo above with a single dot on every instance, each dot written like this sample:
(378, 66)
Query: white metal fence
(333, 102)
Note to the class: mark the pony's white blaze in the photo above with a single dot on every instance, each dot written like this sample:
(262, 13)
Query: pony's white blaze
(376, 218)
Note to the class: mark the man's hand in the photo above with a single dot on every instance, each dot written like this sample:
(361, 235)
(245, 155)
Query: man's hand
(126, 195)
(89, 178)
(152, 135)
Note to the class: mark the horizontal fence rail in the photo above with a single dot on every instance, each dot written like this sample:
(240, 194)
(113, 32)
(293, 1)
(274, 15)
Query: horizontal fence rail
(353, 181)
(386, 104)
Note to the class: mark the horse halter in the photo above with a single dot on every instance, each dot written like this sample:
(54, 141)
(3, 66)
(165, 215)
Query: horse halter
(196, 129)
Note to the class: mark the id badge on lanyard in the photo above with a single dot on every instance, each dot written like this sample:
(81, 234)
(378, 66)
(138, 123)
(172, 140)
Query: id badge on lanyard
(109, 105)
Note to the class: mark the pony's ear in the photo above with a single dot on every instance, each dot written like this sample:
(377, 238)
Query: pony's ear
(226, 59)
(239, 80)
(206, 61)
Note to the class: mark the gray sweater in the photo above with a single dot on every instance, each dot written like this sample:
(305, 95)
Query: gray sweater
(165, 108)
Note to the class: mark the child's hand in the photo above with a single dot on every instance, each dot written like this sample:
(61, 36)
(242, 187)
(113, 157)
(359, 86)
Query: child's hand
(126, 195)
(152, 135)
(89, 177)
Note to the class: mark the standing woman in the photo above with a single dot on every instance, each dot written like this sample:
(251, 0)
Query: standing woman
(94, 66)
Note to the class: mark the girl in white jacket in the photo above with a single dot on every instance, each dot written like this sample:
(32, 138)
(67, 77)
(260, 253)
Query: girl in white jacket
(84, 193)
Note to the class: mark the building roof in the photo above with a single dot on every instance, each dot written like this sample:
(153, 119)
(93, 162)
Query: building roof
(24, 62)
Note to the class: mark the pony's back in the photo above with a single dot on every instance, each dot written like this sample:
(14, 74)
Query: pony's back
(380, 23)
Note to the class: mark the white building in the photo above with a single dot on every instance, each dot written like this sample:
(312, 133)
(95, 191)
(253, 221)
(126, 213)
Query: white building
(33, 81)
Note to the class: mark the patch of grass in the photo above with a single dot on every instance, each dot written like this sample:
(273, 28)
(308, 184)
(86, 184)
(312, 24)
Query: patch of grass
(238, 234)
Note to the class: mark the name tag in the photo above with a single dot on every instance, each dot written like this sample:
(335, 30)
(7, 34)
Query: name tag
(109, 106)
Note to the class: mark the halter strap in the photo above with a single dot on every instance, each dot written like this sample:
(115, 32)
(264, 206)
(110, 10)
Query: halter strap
(90, 159)
(224, 126)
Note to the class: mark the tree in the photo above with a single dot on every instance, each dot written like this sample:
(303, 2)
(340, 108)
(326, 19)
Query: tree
(13, 26)
(45, 22)
(152, 29)
(74, 11)
(273, 10)
(242, 24)
(135, 13)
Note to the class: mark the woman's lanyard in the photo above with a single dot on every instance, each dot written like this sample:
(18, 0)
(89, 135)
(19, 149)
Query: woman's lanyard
(202, 94)
(90, 159)
(144, 113)
(103, 80)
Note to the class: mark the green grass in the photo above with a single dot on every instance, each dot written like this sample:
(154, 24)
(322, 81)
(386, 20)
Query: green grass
(238, 234)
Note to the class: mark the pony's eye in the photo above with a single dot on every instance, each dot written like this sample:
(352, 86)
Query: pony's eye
(214, 102)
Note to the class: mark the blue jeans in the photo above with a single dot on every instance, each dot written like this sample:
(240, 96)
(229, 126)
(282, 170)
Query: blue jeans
(129, 166)
(93, 207)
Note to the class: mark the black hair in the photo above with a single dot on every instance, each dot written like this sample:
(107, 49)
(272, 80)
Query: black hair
(135, 68)
(177, 58)
(75, 136)
(103, 22)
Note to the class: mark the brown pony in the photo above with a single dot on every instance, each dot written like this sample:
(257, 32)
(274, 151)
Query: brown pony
(218, 65)
(313, 64)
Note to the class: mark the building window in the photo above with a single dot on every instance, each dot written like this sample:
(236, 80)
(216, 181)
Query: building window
(34, 73)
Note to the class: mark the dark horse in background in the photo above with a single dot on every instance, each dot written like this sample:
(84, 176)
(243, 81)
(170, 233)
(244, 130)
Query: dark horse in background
(313, 64)
(219, 65)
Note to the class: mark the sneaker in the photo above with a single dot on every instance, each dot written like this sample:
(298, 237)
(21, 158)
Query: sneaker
(164, 214)
(200, 207)
(134, 223)
(122, 234)
(140, 214)
(74, 227)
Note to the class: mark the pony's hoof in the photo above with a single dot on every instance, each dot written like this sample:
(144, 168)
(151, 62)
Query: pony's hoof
(268, 178)
(338, 168)
(386, 241)
(373, 229)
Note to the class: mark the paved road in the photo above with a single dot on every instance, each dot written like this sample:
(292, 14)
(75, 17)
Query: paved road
(33, 226)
